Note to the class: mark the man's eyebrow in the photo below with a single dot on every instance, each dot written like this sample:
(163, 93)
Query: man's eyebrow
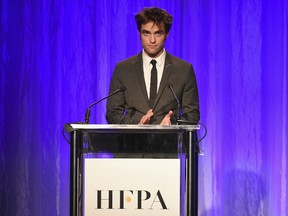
(156, 32)
(146, 31)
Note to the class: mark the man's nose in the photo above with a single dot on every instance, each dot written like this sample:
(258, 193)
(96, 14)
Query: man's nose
(152, 38)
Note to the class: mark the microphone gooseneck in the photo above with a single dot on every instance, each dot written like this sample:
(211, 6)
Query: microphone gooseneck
(178, 116)
(87, 115)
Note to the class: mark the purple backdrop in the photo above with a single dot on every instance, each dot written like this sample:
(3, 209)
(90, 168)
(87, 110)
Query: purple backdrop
(56, 57)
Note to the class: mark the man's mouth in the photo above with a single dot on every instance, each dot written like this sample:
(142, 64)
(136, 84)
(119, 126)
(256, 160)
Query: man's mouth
(152, 46)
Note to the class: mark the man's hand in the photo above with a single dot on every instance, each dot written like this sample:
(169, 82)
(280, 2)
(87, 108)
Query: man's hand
(166, 119)
(146, 118)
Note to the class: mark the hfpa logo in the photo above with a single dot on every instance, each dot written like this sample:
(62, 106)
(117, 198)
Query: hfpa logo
(111, 199)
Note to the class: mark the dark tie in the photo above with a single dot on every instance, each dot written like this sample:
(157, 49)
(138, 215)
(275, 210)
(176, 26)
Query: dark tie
(153, 83)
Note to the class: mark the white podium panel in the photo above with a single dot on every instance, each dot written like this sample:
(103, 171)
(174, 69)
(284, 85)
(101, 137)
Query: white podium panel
(131, 187)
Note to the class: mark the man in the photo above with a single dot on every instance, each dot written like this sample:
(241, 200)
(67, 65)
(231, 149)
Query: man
(148, 98)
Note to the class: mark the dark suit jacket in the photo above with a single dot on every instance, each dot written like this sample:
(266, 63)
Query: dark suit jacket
(129, 106)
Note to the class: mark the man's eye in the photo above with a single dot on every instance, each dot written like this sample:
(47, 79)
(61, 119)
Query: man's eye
(159, 34)
(146, 33)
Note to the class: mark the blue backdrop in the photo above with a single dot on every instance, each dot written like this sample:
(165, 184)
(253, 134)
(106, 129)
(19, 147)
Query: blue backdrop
(57, 57)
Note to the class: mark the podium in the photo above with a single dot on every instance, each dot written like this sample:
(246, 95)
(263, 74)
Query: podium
(133, 170)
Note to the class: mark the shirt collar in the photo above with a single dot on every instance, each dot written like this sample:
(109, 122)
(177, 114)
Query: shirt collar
(160, 59)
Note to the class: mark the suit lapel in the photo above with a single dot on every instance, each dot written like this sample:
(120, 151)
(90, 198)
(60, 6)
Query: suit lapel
(166, 73)
(140, 75)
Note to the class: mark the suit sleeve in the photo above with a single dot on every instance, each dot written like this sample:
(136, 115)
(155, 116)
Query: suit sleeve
(190, 98)
(115, 107)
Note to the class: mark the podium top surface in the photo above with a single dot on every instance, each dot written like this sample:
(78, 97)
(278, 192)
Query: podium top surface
(133, 127)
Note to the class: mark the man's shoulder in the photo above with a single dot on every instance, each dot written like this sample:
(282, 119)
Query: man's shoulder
(178, 61)
(130, 60)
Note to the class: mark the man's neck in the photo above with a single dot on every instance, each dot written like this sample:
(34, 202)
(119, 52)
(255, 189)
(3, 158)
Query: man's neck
(154, 56)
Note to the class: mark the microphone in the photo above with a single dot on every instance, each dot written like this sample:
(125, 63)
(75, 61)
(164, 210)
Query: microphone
(178, 117)
(178, 102)
(87, 115)
(181, 121)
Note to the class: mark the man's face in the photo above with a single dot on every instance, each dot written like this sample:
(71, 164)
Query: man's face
(153, 38)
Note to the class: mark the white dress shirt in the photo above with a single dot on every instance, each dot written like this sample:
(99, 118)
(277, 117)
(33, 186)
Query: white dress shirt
(147, 67)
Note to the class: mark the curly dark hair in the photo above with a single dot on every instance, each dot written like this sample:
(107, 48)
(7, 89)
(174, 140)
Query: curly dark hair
(156, 15)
